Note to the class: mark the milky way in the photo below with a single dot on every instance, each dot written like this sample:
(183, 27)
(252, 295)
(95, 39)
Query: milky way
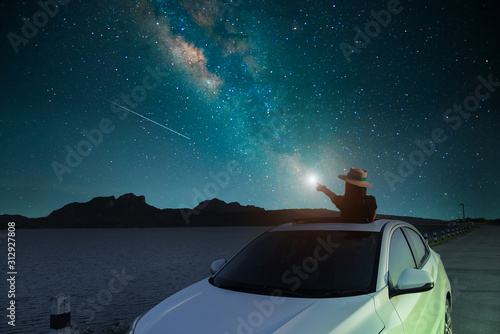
(248, 101)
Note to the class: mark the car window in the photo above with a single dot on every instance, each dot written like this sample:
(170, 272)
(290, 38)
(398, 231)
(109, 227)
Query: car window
(419, 250)
(306, 263)
(400, 257)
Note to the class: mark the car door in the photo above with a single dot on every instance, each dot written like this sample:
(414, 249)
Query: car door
(412, 307)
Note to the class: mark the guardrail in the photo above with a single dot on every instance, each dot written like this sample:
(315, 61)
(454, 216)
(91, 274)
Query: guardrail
(446, 234)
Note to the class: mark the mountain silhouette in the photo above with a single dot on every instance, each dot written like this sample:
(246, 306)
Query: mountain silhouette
(110, 207)
(130, 210)
(216, 205)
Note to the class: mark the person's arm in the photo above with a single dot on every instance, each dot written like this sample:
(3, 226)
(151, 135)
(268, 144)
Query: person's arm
(327, 192)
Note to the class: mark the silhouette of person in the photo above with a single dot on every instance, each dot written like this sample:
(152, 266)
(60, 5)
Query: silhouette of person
(355, 203)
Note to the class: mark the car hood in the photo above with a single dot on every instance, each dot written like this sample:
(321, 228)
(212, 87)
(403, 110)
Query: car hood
(205, 309)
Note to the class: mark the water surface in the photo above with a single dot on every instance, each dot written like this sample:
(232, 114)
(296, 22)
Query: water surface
(111, 274)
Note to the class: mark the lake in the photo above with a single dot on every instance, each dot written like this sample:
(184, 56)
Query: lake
(111, 274)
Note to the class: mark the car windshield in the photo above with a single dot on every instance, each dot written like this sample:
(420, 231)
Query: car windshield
(310, 264)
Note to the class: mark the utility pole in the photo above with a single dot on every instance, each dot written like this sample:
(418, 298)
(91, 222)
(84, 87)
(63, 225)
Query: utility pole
(463, 210)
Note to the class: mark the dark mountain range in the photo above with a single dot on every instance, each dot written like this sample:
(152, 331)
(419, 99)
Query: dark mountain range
(130, 210)
(218, 206)
(106, 207)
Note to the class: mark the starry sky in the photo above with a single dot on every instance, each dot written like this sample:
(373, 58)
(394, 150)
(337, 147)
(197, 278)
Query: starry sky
(250, 101)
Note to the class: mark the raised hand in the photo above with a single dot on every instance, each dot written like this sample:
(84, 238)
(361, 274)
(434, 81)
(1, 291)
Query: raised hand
(320, 187)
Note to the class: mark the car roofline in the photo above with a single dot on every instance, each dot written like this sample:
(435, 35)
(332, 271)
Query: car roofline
(336, 224)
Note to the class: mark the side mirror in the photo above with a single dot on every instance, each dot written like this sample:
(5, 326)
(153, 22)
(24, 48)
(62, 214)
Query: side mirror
(217, 265)
(412, 281)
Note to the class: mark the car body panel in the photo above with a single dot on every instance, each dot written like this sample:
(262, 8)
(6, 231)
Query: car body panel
(205, 308)
(387, 312)
(418, 312)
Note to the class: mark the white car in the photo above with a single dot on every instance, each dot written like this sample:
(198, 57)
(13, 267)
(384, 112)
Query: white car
(316, 277)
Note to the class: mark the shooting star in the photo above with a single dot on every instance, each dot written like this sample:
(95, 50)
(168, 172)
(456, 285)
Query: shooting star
(135, 113)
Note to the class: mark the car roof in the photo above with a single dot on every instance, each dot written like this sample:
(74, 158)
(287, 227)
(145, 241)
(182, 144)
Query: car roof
(336, 224)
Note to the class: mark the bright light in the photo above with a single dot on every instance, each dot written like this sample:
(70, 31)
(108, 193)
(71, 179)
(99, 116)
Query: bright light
(312, 179)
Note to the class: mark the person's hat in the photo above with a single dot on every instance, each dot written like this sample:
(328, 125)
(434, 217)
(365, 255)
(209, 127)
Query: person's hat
(356, 177)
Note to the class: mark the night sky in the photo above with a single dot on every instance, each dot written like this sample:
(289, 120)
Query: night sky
(250, 101)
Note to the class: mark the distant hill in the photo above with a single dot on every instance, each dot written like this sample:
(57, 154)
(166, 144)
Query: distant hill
(130, 210)
(218, 206)
(109, 207)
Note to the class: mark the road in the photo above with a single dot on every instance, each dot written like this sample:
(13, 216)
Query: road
(472, 262)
